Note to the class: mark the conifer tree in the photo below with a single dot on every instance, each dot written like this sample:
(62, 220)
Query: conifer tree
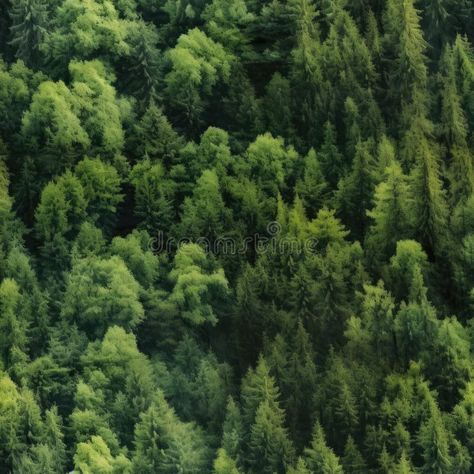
(429, 206)
(436, 21)
(12, 321)
(356, 190)
(352, 461)
(232, 436)
(143, 72)
(306, 73)
(223, 464)
(156, 137)
(29, 23)
(407, 78)
(455, 130)
(330, 157)
(433, 441)
(277, 107)
(270, 449)
(390, 214)
(312, 186)
(319, 457)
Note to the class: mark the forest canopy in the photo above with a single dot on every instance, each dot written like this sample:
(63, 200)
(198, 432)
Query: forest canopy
(237, 236)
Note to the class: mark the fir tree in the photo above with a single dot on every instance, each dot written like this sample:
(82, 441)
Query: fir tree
(29, 23)
(319, 457)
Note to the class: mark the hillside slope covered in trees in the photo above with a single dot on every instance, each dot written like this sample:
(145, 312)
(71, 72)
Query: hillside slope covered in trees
(236, 236)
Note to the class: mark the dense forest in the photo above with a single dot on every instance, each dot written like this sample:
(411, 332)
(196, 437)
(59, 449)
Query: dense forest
(236, 236)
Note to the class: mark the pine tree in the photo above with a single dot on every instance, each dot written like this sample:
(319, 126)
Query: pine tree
(155, 136)
(390, 214)
(352, 461)
(143, 72)
(54, 437)
(277, 107)
(330, 157)
(403, 466)
(433, 441)
(312, 186)
(436, 21)
(454, 129)
(29, 22)
(232, 431)
(52, 227)
(154, 197)
(259, 386)
(298, 383)
(270, 449)
(223, 464)
(319, 457)
(352, 121)
(12, 322)
(464, 66)
(407, 76)
(429, 206)
(355, 192)
(204, 214)
(164, 444)
(306, 73)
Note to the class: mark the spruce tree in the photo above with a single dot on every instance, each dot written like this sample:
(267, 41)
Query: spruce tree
(429, 205)
(352, 461)
(29, 26)
(270, 449)
(390, 214)
(433, 441)
(319, 457)
(355, 192)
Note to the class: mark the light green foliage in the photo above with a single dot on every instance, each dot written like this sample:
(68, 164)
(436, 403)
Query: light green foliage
(20, 422)
(163, 443)
(100, 112)
(53, 119)
(13, 323)
(198, 64)
(17, 84)
(95, 457)
(134, 251)
(270, 448)
(225, 22)
(269, 161)
(204, 214)
(100, 293)
(102, 186)
(391, 213)
(223, 464)
(319, 457)
(154, 195)
(83, 28)
(198, 285)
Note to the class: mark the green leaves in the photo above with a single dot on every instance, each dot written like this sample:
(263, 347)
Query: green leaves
(197, 65)
(100, 293)
(198, 285)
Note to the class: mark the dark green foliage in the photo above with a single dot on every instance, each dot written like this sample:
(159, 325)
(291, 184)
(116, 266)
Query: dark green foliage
(29, 22)
(236, 237)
